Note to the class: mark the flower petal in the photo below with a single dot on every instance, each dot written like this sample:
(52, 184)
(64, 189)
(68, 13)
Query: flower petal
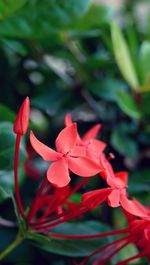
(68, 120)
(66, 139)
(44, 151)
(58, 173)
(83, 166)
(123, 177)
(96, 197)
(96, 147)
(114, 198)
(92, 133)
(78, 151)
(147, 234)
(133, 207)
(106, 168)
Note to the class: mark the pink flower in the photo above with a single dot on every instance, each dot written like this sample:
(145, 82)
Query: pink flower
(92, 146)
(68, 156)
(117, 183)
(113, 194)
(135, 208)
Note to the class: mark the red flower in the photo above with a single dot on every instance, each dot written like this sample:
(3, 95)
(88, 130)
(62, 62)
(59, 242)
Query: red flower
(114, 194)
(93, 146)
(135, 208)
(68, 156)
(117, 183)
(22, 119)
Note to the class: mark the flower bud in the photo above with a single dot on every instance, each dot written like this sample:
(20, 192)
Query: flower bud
(22, 119)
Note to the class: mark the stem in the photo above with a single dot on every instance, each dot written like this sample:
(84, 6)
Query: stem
(139, 255)
(56, 202)
(65, 217)
(12, 246)
(113, 254)
(16, 158)
(98, 235)
(34, 204)
(102, 248)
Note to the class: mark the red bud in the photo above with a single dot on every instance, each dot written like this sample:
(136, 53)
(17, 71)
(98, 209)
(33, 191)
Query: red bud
(22, 119)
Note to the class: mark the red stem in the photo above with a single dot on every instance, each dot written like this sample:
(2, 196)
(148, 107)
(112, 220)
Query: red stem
(84, 262)
(105, 253)
(17, 192)
(73, 211)
(98, 235)
(113, 253)
(64, 219)
(53, 205)
(130, 259)
(79, 185)
(34, 205)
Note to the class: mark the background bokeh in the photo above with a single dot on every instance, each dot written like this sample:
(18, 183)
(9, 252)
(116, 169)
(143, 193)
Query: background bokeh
(91, 59)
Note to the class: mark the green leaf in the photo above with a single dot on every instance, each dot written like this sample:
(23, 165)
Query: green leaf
(7, 145)
(47, 17)
(52, 101)
(13, 46)
(7, 182)
(95, 17)
(139, 181)
(4, 194)
(144, 60)
(123, 142)
(107, 89)
(6, 114)
(128, 105)
(9, 7)
(145, 106)
(69, 247)
(123, 57)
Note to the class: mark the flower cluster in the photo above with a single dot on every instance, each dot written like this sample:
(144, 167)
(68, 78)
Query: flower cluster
(85, 157)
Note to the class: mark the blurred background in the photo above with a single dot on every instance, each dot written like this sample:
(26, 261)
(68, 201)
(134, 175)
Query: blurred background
(89, 58)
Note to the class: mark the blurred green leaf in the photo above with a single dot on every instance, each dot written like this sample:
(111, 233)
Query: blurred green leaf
(52, 101)
(7, 182)
(144, 61)
(107, 89)
(47, 17)
(127, 252)
(139, 181)
(72, 248)
(7, 145)
(123, 142)
(13, 46)
(4, 194)
(145, 106)
(95, 17)
(123, 57)
(128, 105)
(6, 114)
(9, 7)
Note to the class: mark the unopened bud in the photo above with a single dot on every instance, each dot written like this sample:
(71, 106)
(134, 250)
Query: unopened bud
(22, 119)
